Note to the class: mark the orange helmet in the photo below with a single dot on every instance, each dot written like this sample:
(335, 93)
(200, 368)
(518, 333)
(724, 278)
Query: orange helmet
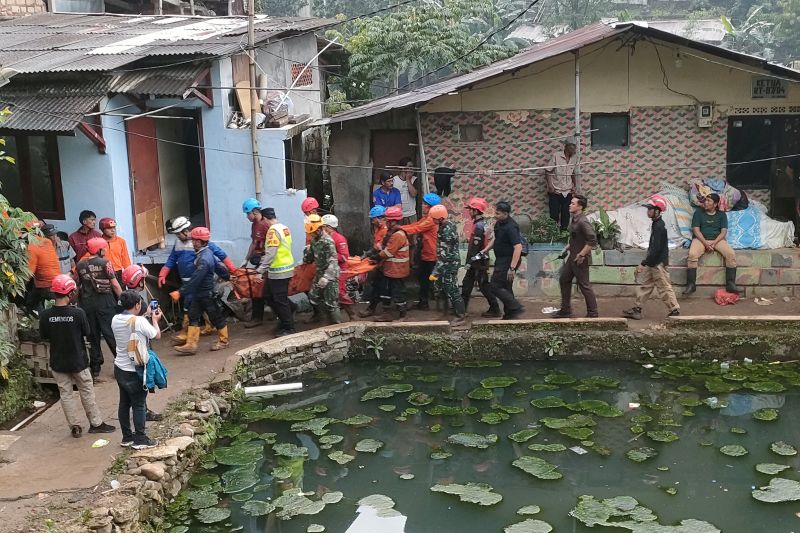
(395, 213)
(132, 275)
(313, 223)
(96, 244)
(201, 234)
(438, 212)
(479, 204)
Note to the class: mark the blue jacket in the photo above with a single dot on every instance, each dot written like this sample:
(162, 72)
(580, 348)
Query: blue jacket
(183, 256)
(202, 279)
(156, 373)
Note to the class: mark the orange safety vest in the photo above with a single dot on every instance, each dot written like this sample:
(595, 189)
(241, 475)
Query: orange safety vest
(396, 262)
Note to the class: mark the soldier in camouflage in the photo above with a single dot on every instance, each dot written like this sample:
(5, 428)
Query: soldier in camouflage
(448, 260)
(324, 293)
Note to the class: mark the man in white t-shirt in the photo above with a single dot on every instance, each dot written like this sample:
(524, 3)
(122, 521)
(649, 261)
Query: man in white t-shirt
(404, 182)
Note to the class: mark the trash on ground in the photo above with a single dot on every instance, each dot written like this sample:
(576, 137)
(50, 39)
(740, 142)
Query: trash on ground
(549, 310)
(578, 450)
(38, 405)
(762, 301)
(99, 443)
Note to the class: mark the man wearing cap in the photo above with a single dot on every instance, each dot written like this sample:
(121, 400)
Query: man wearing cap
(64, 327)
(653, 270)
(278, 264)
(117, 247)
(324, 293)
(480, 241)
(386, 195)
(43, 263)
(560, 178)
(99, 290)
(81, 236)
(429, 230)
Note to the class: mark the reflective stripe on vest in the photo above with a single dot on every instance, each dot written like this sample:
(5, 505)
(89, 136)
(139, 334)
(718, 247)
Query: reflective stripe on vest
(283, 262)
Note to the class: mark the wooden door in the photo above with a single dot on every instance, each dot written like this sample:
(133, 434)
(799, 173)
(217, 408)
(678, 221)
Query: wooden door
(389, 147)
(145, 182)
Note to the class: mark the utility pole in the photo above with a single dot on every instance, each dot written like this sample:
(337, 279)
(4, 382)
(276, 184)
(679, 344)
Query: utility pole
(254, 107)
(191, 7)
(160, 7)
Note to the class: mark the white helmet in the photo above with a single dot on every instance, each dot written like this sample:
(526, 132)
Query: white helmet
(330, 220)
(178, 224)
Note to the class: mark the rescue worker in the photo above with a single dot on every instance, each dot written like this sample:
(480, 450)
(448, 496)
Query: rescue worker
(324, 293)
(182, 256)
(395, 268)
(428, 229)
(44, 265)
(201, 288)
(448, 260)
(258, 237)
(278, 264)
(377, 220)
(330, 224)
(480, 241)
(99, 290)
(81, 236)
(310, 206)
(117, 247)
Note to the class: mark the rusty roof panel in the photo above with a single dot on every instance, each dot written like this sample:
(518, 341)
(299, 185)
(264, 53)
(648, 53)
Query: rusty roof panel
(42, 113)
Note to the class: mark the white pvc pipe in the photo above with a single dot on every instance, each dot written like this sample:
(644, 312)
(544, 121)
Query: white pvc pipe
(270, 389)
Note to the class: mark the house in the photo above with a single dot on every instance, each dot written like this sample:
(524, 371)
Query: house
(655, 107)
(130, 7)
(129, 116)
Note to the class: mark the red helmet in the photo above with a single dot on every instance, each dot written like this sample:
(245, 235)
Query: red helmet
(201, 234)
(438, 212)
(657, 201)
(63, 284)
(95, 244)
(133, 275)
(107, 222)
(309, 204)
(395, 213)
(479, 204)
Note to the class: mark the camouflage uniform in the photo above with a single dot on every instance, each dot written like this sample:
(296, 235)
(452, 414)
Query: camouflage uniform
(448, 260)
(322, 252)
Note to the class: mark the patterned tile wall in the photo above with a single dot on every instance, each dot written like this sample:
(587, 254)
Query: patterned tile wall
(665, 146)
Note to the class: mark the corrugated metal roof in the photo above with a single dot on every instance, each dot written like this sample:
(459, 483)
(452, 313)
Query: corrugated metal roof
(55, 114)
(568, 42)
(84, 42)
(173, 81)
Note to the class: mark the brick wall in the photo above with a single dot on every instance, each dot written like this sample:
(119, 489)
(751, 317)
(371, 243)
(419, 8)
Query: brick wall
(18, 8)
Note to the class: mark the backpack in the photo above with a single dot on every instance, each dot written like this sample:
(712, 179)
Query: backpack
(525, 245)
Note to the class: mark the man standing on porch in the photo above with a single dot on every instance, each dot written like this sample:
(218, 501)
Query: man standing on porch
(81, 236)
(560, 178)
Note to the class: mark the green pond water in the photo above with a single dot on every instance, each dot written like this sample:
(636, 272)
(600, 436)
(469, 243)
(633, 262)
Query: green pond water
(683, 439)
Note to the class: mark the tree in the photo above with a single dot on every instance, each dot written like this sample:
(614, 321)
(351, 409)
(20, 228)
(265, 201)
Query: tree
(348, 8)
(280, 8)
(752, 36)
(787, 29)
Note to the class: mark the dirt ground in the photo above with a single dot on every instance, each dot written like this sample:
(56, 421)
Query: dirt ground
(42, 467)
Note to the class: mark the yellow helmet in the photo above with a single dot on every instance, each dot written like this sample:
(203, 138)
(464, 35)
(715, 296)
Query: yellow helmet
(313, 223)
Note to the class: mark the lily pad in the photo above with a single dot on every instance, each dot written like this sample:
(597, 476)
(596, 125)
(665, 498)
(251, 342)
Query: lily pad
(419, 399)
(767, 415)
(317, 426)
(596, 407)
(548, 402)
(529, 526)
(479, 493)
(498, 382)
(242, 454)
(340, 457)
(577, 433)
(734, 450)
(479, 393)
(204, 480)
(779, 490)
(448, 410)
(239, 479)
(387, 407)
(642, 454)
(554, 447)
(537, 467)
(524, 435)
(332, 497)
(559, 378)
(436, 428)
(738, 430)
(495, 417)
(282, 472)
(406, 476)
(765, 386)
(384, 505)
(625, 512)
(537, 387)
(572, 421)
(315, 528)
(203, 500)
(368, 445)
(472, 440)
(783, 448)
(287, 449)
(440, 454)
(258, 508)
(387, 391)
(716, 385)
(242, 496)
(663, 436)
(641, 419)
(602, 381)
(357, 420)
(771, 468)
(293, 503)
(529, 510)
(510, 409)
(331, 439)
(212, 515)
(476, 364)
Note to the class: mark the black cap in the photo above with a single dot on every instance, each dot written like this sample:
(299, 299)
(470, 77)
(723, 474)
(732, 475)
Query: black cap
(269, 212)
(48, 230)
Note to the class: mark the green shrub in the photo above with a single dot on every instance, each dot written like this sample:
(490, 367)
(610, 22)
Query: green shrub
(16, 392)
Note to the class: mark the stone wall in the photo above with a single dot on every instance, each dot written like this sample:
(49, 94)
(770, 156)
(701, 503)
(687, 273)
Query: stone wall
(22, 7)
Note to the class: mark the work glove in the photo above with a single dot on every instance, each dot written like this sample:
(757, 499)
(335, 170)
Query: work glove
(162, 276)
(433, 277)
(176, 296)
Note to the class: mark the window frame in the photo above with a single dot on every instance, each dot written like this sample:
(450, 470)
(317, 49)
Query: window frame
(596, 145)
(23, 164)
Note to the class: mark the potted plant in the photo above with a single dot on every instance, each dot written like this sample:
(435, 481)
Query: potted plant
(607, 230)
(546, 234)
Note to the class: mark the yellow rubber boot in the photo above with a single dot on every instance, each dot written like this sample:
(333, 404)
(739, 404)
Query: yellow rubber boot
(222, 343)
(192, 338)
(180, 337)
(207, 328)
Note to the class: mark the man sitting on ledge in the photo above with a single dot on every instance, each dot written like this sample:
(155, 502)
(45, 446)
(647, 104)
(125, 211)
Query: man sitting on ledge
(709, 227)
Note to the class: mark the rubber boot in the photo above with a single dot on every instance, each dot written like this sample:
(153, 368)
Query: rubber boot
(402, 310)
(335, 316)
(192, 338)
(349, 309)
(316, 315)
(691, 281)
(730, 280)
(461, 314)
(222, 343)
(385, 315)
(369, 311)
(206, 328)
(180, 337)
(634, 312)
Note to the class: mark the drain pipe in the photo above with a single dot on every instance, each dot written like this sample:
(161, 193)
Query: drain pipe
(282, 388)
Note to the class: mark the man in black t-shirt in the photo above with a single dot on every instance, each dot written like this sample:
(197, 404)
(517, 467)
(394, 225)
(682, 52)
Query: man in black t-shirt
(507, 259)
(65, 327)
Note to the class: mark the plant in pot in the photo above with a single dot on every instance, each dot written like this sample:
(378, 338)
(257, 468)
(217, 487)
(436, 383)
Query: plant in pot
(546, 234)
(607, 230)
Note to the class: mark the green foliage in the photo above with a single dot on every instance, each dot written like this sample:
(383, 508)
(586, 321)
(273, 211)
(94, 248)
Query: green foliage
(545, 229)
(604, 227)
(16, 392)
(280, 8)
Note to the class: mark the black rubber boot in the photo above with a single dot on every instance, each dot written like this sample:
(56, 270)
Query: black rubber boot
(634, 313)
(461, 314)
(730, 280)
(691, 281)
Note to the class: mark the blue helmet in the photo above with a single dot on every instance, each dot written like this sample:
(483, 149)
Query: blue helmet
(377, 211)
(432, 199)
(250, 204)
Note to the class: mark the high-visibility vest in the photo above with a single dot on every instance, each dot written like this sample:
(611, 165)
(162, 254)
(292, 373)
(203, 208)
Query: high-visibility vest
(284, 262)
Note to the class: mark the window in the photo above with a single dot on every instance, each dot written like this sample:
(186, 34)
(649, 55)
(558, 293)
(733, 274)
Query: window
(757, 139)
(306, 78)
(470, 133)
(34, 182)
(610, 130)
